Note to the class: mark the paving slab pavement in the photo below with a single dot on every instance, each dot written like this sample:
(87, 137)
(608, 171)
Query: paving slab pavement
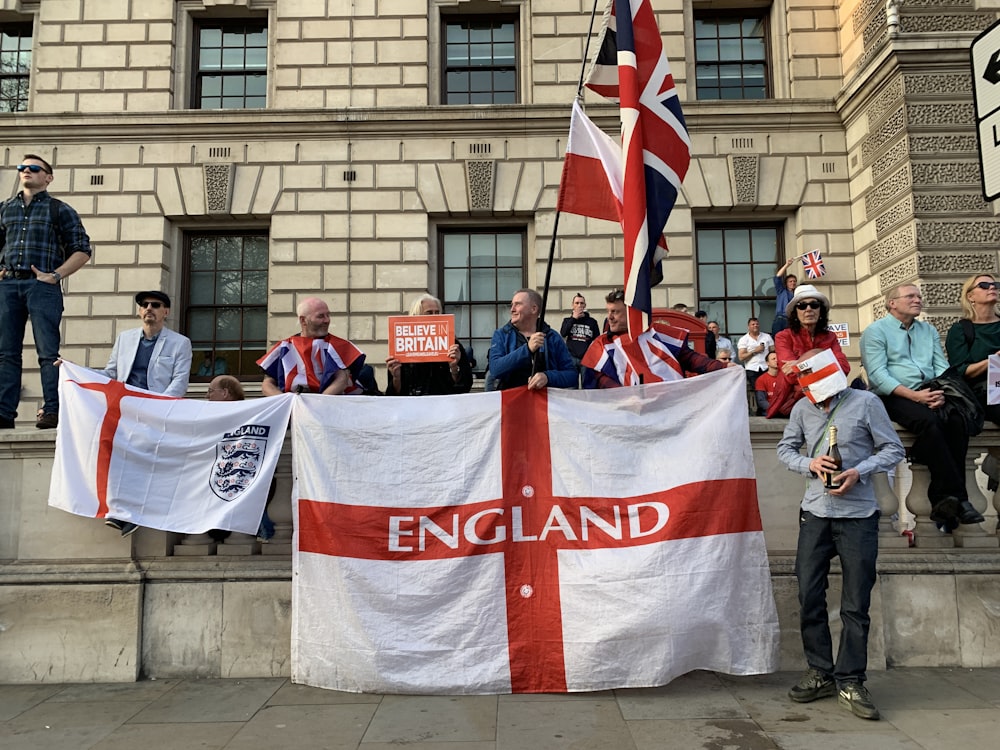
(926, 708)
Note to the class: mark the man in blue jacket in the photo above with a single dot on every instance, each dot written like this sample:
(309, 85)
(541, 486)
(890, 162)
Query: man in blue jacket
(522, 355)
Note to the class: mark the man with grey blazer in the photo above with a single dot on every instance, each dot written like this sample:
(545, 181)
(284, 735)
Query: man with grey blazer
(153, 358)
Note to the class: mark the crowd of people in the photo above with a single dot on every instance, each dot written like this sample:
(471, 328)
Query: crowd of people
(797, 371)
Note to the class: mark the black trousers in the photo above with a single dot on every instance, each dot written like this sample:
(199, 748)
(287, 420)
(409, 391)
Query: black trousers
(940, 445)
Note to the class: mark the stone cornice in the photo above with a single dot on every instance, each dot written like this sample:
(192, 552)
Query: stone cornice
(464, 122)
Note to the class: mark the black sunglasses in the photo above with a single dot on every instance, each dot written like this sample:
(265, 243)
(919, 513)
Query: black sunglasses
(151, 303)
(811, 304)
(31, 168)
(989, 285)
(618, 296)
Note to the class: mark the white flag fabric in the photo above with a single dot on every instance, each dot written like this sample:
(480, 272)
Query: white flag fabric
(528, 541)
(162, 462)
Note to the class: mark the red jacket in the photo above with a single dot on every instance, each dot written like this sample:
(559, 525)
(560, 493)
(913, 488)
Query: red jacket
(790, 346)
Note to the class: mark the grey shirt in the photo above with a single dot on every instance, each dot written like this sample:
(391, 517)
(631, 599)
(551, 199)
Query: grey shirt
(867, 443)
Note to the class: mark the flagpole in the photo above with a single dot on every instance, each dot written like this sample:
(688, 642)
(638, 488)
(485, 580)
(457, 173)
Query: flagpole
(555, 223)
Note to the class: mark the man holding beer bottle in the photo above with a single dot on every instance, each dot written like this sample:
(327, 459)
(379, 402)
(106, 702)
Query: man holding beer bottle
(837, 522)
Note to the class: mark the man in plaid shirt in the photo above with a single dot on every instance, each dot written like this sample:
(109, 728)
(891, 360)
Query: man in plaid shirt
(41, 243)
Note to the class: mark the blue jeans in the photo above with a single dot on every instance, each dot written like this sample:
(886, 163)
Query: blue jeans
(855, 542)
(21, 299)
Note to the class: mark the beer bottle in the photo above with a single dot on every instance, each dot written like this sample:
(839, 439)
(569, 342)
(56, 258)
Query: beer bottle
(833, 452)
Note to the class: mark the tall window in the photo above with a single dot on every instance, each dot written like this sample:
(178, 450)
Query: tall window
(480, 59)
(731, 54)
(230, 65)
(226, 312)
(480, 271)
(736, 267)
(15, 66)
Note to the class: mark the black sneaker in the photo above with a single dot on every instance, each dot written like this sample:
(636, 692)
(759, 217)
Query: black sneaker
(129, 528)
(47, 421)
(855, 696)
(968, 514)
(813, 685)
(945, 513)
(6, 424)
(114, 523)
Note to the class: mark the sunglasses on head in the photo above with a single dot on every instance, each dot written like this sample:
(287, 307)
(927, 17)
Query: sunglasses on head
(151, 303)
(988, 285)
(618, 296)
(31, 168)
(811, 304)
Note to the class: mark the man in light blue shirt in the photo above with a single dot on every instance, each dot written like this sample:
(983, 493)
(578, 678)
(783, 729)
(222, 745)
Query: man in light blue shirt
(899, 353)
(841, 522)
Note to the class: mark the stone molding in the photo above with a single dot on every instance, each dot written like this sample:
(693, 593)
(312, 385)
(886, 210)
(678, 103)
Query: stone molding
(894, 215)
(958, 233)
(480, 179)
(218, 187)
(887, 190)
(744, 174)
(905, 271)
(956, 263)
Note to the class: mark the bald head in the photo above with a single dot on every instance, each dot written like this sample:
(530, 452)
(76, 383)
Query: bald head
(314, 317)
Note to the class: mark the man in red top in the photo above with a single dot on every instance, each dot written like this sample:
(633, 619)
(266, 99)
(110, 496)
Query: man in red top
(767, 384)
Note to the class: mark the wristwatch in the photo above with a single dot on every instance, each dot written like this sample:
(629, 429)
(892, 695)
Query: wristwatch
(57, 276)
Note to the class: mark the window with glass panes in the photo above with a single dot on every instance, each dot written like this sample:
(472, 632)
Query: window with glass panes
(15, 66)
(226, 311)
(480, 60)
(736, 265)
(731, 55)
(231, 65)
(480, 272)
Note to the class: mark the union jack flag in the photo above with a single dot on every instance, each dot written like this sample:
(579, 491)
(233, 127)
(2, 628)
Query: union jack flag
(655, 143)
(650, 357)
(814, 265)
(312, 363)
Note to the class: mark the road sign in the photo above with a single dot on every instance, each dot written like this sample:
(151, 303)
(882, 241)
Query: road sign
(985, 57)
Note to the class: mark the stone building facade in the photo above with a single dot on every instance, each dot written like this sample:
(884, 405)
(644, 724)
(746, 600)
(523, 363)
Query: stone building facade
(345, 172)
(243, 154)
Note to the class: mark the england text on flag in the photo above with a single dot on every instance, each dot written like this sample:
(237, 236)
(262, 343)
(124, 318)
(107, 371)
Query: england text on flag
(540, 548)
(165, 463)
(591, 182)
(814, 265)
(655, 143)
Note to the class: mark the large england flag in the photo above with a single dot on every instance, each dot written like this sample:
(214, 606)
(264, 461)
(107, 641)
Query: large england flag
(162, 462)
(528, 541)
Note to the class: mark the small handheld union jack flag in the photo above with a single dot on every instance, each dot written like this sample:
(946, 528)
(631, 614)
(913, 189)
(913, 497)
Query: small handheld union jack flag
(814, 265)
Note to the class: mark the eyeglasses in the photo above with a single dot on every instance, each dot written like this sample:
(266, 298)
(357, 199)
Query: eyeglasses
(151, 303)
(988, 285)
(811, 304)
(32, 168)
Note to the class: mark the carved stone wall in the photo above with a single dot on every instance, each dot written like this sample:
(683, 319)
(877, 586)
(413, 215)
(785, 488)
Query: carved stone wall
(479, 177)
(218, 187)
(958, 233)
(893, 186)
(934, 173)
(744, 174)
(905, 271)
(892, 247)
(896, 214)
(951, 203)
(962, 264)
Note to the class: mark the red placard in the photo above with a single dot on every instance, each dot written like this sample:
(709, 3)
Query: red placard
(421, 338)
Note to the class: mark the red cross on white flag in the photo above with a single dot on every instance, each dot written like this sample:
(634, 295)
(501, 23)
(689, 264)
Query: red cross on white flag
(528, 541)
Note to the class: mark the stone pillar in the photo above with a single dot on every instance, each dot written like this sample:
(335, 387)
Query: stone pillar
(974, 534)
(888, 504)
(239, 543)
(926, 532)
(280, 511)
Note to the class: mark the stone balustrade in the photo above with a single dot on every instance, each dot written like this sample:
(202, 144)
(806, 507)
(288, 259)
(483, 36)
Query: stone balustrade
(78, 603)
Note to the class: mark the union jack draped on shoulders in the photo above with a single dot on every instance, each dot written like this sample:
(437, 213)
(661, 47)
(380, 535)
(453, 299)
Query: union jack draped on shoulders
(300, 361)
(650, 357)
